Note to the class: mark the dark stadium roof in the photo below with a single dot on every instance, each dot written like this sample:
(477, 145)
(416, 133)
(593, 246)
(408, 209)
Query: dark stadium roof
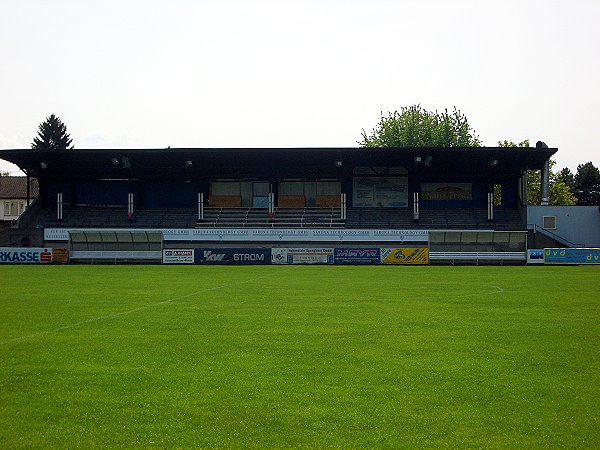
(169, 163)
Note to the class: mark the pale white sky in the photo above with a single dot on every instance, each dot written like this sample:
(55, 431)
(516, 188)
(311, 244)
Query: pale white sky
(261, 73)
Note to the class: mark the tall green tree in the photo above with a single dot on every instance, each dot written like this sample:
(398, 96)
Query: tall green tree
(414, 126)
(587, 184)
(52, 135)
(568, 178)
(560, 191)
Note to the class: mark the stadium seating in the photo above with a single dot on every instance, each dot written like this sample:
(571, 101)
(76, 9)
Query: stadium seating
(437, 219)
(324, 217)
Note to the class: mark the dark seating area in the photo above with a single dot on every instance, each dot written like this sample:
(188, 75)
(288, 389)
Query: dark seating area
(449, 219)
(373, 218)
(283, 218)
(116, 217)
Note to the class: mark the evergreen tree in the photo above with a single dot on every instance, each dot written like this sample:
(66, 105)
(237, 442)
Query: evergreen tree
(587, 184)
(52, 135)
(566, 176)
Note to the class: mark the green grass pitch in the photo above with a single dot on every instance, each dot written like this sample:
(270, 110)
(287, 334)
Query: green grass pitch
(307, 356)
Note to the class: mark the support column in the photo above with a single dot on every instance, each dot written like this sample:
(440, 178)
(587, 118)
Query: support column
(28, 191)
(416, 212)
(490, 205)
(201, 206)
(545, 183)
(59, 206)
(130, 207)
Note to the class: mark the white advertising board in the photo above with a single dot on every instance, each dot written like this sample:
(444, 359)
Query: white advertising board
(178, 256)
(302, 256)
(265, 234)
(25, 255)
(380, 192)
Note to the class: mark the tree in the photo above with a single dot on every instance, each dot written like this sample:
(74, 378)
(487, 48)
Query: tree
(560, 192)
(414, 126)
(52, 135)
(587, 184)
(567, 177)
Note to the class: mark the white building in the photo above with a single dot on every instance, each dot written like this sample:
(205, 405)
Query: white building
(13, 196)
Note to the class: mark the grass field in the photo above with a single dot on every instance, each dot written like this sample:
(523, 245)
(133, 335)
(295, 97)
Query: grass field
(312, 357)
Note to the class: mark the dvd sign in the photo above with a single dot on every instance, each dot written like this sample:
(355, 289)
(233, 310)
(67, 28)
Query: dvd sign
(233, 255)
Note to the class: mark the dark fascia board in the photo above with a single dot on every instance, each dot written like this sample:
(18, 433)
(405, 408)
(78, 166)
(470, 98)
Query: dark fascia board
(518, 159)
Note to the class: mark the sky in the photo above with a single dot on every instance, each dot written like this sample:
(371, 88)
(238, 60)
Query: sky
(312, 73)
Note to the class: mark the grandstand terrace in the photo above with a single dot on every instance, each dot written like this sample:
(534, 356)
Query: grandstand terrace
(278, 188)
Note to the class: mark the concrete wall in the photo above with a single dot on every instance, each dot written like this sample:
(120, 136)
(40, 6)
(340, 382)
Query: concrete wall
(577, 224)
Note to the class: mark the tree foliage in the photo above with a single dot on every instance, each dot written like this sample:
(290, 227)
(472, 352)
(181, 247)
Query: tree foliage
(560, 191)
(52, 135)
(414, 126)
(587, 184)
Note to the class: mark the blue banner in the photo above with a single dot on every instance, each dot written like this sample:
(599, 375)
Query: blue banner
(357, 256)
(572, 255)
(232, 255)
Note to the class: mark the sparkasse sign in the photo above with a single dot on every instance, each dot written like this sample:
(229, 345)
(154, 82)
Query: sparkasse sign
(25, 255)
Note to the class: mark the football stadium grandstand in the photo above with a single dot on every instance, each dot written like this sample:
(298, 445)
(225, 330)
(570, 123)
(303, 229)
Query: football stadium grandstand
(450, 204)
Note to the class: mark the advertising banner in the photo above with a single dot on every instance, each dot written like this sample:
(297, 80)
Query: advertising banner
(25, 255)
(572, 255)
(357, 256)
(60, 255)
(446, 191)
(233, 255)
(405, 256)
(535, 256)
(302, 256)
(264, 234)
(178, 256)
(380, 191)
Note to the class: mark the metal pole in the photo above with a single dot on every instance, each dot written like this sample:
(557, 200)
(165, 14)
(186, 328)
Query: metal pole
(545, 183)
(59, 206)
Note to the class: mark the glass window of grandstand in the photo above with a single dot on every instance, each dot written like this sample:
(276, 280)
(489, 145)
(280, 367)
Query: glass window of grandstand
(225, 194)
(328, 193)
(291, 194)
(7, 208)
(309, 193)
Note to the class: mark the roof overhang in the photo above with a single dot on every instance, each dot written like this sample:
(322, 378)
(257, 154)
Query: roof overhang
(175, 163)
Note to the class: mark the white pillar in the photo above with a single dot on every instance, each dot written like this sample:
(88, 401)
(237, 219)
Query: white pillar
(416, 206)
(59, 206)
(201, 206)
(490, 201)
(130, 205)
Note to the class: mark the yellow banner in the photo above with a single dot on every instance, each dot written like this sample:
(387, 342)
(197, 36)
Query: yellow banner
(405, 256)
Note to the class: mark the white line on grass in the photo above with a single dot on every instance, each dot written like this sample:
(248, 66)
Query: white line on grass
(112, 316)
